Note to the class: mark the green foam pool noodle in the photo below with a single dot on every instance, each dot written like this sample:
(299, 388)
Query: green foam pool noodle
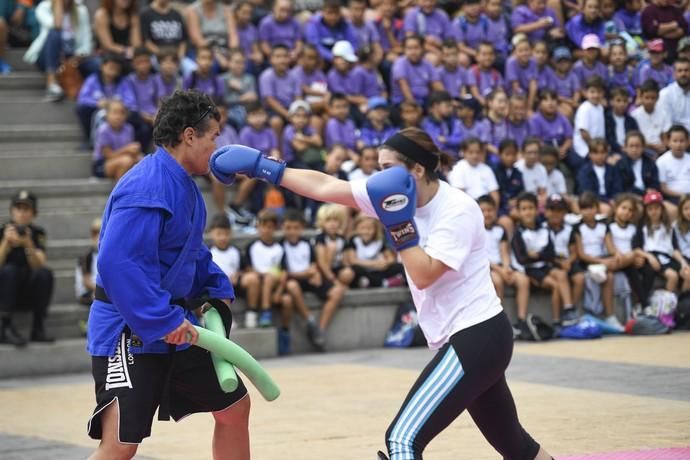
(227, 377)
(238, 357)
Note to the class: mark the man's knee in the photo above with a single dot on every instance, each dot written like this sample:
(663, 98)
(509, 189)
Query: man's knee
(236, 415)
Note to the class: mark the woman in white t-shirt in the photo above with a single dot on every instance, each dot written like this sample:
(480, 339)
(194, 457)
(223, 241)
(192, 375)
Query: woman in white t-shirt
(458, 310)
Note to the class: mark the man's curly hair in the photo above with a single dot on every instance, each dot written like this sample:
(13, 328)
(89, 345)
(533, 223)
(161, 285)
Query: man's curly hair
(181, 110)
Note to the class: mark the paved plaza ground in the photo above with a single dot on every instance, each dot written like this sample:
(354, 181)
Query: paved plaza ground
(615, 394)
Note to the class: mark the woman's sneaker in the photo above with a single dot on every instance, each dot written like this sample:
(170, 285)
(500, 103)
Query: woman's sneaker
(250, 319)
(54, 93)
(266, 319)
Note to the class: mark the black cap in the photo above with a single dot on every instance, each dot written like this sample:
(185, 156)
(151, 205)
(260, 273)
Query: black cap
(25, 197)
(557, 201)
(470, 102)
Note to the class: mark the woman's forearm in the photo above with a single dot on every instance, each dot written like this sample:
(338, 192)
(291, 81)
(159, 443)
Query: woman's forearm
(318, 186)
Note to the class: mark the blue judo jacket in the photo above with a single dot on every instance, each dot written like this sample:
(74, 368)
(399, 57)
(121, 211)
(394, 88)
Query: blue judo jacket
(155, 214)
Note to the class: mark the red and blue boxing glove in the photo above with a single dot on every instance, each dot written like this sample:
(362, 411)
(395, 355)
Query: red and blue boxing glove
(239, 159)
(393, 193)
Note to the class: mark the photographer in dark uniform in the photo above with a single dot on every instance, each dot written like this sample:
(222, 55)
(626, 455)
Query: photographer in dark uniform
(25, 281)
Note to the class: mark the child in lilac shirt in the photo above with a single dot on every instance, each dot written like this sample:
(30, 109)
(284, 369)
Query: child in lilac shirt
(521, 70)
(247, 33)
(470, 29)
(281, 28)
(327, 27)
(543, 72)
(204, 78)
(620, 72)
(451, 75)
(441, 125)
(655, 68)
(497, 119)
(430, 22)
(629, 16)
(518, 126)
(367, 75)
(498, 30)
(310, 79)
(367, 33)
(537, 21)
(482, 78)
(590, 65)
(565, 82)
(115, 149)
(301, 145)
(551, 126)
(377, 128)
(166, 80)
(341, 79)
(144, 90)
(586, 23)
(467, 110)
(412, 77)
(278, 88)
(339, 128)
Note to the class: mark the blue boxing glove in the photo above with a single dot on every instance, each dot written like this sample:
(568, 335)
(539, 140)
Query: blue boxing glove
(393, 193)
(239, 159)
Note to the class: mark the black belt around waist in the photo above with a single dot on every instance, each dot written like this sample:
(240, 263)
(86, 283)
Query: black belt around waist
(99, 294)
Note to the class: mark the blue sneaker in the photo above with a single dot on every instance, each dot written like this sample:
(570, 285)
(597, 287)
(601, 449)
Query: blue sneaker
(266, 319)
(5, 68)
(284, 346)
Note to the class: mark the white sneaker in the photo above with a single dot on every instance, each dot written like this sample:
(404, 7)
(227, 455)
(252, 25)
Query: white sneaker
(54, 93)
(614, 323)
(250, 319)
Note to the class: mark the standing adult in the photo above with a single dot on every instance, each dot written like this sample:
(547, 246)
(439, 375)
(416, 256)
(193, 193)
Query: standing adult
(662, 19)
(152, 260)
(162, 28)
(117, 28)
(25, 281)
(674, 100)
(439, 234)
(210, 24)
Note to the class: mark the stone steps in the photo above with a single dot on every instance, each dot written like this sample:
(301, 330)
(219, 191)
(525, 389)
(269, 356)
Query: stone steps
(23, 79)
(14, 58)
(48, 132)
(45, 165)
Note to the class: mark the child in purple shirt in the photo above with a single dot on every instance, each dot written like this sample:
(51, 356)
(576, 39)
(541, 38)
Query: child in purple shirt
(590, 65)
(498, 30)
(341, 77)
(585, 23)
(655, 68)
(620, 72)
(470, 29)
(367, 33)
(166, 80)
(521, 70)
(544, 73)
(339, 128)
(204, 78)
(467, 110)
(247, 33)
(482, 78)
(310, 79)
(390, 28)
(565, 82)
(441, 125)
(430, 22)
(115, 149)
(377, 127)
(278, 87)
(629, 16)
(257, 134)
(449, 73)
(497, 119)
(367, 75)
(144, 90)
(536, 20)
(518, 126)
(327, 27)
(412, 77)
(281, 28)
(551, 126)
(301, 145)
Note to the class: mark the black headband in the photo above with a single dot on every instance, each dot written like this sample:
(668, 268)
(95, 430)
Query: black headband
(412, 150)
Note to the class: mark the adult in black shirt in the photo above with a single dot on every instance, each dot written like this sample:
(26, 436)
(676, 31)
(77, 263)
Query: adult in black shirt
(163, 28)
(25, 281)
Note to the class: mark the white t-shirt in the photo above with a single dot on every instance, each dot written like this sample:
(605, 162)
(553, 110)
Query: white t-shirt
(494, 236)
(474, 180)
(600, 172)
(534, 178)
(555, 183)
(590, 118)
(674, 172)
(228, 260)
(652, 125)
(264, 258)
(637, 172)
(357, 174)
(451, 230)
(683, 241)
(593, 239)
(622, 236)
(620, 129)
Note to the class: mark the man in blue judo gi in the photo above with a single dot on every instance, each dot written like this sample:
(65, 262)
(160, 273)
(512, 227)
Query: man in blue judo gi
(152, 261)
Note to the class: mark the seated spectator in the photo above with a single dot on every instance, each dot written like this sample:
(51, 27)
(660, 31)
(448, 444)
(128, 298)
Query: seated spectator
(497, 121)
(498, 29)
(143, 88)
(652, 120)
(166, 81)
(657, 243)
(117, 28)
(281, 28)
(326, 28)
(87, 269)
(331, 220)
(451, 75)
(163, 30)
(340, 129)
(617, 121)
(368, 164)
(413, 77)
(510, 183)
(278, 88)
(534, 173)
(564, 247)
(264, 258)
(205, 79)
(470, 29)
(588, 22)
(116, 150)
(210, 24)
(498, 250)
(225, 254)
(239, 88)
(628, 15)
(543, 72)
(590, 64)
(674, 99)
(637, 171)
(566, 82)
(341, 79)
(368, 75)
(518, 126)
(410, 114)
(428, 21)
(299, 262)
(655, 68)
(390, 30)
(533, 249)
(467, 110)
(665, 20)
(377, 128)
(367, 34)
(101, 87)
(301, 145)
(684, 48)
(594, 246)
(471, 174)
(57, 42)
(555, 180)
(247, 34)
(521, 70)
(554, 128)
(674, 165)
(441, 125)
(537, 21)
(621, 73)
(681, 230)
(310, 80)
(482, 78)
(26, 283)
(599, 177)
(590, 122)
(367, 255)
(336, 156)
(18, 27)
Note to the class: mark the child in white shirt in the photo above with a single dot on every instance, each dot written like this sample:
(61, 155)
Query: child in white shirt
(589, 118)
(534, 174)
(472, 174)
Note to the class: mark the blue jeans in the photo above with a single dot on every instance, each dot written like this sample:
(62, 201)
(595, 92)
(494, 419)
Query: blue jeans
(55, 49)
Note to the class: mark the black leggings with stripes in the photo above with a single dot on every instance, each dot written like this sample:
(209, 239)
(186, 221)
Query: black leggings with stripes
(466, 373)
